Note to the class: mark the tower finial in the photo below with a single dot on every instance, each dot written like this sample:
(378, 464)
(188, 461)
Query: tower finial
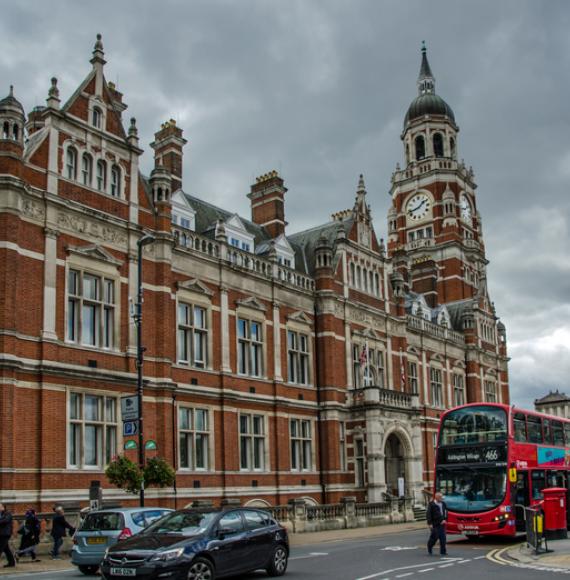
(361, 186)
(98, 54)
(11, 90)
(426, 80)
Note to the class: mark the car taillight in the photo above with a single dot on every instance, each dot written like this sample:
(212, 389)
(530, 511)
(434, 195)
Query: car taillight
(126, 533)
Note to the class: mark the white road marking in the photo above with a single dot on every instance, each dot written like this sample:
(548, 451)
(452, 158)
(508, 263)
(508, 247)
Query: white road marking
(480, 558)
(310, 555)
(447, 565)
(384, 572)
(425, 570)
(464, 561)
(404, 575)
(399, 548)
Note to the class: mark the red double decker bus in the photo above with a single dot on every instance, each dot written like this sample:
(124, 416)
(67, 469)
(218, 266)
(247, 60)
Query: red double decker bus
(494, 459)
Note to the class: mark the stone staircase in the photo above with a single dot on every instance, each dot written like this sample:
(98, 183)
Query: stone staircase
(419, 513)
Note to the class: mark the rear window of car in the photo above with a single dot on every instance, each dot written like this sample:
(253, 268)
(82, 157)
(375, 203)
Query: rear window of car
(104, 522)
(254, 520)
(147, 517)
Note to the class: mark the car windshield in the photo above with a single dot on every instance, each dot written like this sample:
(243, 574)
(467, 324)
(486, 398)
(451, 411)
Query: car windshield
(186, 523)
(103, 522)
(479, 424)
(472, 489)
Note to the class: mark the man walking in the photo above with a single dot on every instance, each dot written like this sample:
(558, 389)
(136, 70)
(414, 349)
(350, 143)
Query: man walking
(437, 518)
(5, 534)
(58, 527)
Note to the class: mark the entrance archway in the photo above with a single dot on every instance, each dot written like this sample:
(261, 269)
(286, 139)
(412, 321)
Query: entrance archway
(394, 463)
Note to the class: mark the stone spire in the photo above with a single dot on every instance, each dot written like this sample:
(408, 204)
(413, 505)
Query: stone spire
(53, 95)
(360, 205)
(426, 80)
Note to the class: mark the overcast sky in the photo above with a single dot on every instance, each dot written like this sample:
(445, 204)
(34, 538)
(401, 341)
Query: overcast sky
(319, 90)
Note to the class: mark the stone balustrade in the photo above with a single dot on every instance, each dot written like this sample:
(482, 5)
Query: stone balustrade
(374, 395)
(441, 332)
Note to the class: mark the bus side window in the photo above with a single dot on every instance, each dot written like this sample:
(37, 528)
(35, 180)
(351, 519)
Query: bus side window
(567, 433)
(547, 431)
(520, 427)
(534, 425)
(537, 484)
(558, 433)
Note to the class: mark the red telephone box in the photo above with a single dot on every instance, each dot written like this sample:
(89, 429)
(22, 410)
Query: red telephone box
(554, 506)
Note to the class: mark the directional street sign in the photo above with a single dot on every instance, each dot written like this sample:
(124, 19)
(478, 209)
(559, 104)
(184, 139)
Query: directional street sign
(130, 408)
(130, 444)
(130, 428)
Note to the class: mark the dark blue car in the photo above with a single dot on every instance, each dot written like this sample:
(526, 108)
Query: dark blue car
(201, 545)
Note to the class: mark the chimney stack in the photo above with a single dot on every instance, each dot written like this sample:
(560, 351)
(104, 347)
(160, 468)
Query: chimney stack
(167, 145)
(268, 203)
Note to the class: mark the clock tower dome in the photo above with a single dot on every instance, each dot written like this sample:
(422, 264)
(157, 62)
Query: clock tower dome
(435, 236)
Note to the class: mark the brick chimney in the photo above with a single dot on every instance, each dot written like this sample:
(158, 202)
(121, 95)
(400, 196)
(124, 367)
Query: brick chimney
(167, 145)
(268, 203)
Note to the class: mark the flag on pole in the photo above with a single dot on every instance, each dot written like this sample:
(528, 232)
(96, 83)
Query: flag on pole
(363, 356)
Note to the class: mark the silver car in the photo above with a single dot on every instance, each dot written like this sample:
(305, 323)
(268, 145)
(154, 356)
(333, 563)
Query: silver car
(103, 528)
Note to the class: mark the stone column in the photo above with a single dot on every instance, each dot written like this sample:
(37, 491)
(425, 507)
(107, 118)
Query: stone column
(416, 485)
(277, 342)
(375, 456)
(225, 330)
(425, 378)
(348, 355)
(50, 284)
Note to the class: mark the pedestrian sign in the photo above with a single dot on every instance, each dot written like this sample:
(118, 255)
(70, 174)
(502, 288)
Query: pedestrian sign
(130, 428)
(130, 444)
(150, 445)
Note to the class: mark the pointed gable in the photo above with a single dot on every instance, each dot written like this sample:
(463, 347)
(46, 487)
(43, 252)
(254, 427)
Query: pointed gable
(95, 252)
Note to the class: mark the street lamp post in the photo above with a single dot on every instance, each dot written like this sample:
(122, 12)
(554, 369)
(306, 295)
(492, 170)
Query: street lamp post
(144, 241)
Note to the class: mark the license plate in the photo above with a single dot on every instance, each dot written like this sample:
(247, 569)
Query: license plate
(98, 540)
(471, 532)
(123, 572)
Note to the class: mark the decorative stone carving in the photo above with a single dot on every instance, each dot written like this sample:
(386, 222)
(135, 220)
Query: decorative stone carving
(194, 285)
(33, 209)
(251, 302)
(92, 229)
(95, 252)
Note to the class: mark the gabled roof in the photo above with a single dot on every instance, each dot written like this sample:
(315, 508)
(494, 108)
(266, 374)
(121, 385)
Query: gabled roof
(556, 397)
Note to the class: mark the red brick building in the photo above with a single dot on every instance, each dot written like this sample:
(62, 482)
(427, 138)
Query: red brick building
(277, 365)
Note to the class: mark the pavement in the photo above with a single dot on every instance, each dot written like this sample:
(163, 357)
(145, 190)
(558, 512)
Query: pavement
(557, 559)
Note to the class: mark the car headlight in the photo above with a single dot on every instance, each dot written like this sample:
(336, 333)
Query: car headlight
(168, 555)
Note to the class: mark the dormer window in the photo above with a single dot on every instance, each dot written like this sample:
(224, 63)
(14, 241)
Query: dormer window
(97, 117)
(71, 163)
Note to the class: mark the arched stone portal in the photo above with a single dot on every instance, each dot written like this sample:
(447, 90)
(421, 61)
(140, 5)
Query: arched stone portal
(394, 463)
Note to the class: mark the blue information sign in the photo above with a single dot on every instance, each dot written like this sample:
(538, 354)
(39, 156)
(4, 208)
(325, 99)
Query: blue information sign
(130, 428)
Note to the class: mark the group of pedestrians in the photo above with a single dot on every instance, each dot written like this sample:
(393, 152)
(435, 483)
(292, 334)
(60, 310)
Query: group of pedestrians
(29, 532)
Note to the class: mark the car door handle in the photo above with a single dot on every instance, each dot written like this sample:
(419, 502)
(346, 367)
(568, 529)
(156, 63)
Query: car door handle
(215, 548)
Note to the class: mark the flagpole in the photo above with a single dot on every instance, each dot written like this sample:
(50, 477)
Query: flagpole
(367, 367)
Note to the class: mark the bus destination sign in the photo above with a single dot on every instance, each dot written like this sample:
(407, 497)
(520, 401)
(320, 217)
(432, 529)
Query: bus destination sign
(473, 455)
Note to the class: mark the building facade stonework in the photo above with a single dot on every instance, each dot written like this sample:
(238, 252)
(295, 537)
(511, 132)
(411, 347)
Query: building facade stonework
(278, 365)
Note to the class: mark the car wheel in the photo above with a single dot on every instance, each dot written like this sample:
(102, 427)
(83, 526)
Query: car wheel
(278, 563)
(89, 570)
(201, 569)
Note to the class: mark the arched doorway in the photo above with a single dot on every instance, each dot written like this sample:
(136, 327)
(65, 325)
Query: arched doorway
(394, 464)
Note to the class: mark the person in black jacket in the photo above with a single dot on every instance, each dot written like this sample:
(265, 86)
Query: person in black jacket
(436, 516)
(5, 534)
(30, 532)
(58, 528)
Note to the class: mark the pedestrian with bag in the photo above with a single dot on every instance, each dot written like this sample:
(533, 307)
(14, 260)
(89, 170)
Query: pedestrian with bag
(30, 532)
(58, 529)
(436, 516)
(5, 534)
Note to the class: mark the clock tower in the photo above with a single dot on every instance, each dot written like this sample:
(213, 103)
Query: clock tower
(435, 236)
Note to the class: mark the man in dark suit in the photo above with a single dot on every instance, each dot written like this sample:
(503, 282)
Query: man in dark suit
(5, 533)
(436, 516)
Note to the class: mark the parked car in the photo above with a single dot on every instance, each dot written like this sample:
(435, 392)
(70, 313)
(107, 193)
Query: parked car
(201, 545)
(103, 528)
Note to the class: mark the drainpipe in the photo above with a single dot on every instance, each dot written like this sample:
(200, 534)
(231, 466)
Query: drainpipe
(319, 412)
(174, 450)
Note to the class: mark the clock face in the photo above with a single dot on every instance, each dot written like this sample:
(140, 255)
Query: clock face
(465, 207)
(418, 206)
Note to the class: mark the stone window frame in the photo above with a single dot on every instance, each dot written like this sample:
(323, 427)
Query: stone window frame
(342, 447)
(435, 367)
(299, 326)
(300, 441)
(97, 103)
(104, 424)
(413, 360)
(98, 268)
(210, 432)
(457, 374)
(252, 437)
(377, 347)
(252, 314)
(490, 389)
(201, 299)
(360, 482)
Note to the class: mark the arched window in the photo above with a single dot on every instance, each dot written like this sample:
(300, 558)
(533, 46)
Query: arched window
(15, 132)
(358, 283)
(6, 130)
(86, 169)
(438, 145)
(365, 280)
(115, 181)
(352, 274)
(371, 282)
(71, 163)
(420, 147)
(377, 284)
(97, 117)
(452, 147)
(101, 175)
